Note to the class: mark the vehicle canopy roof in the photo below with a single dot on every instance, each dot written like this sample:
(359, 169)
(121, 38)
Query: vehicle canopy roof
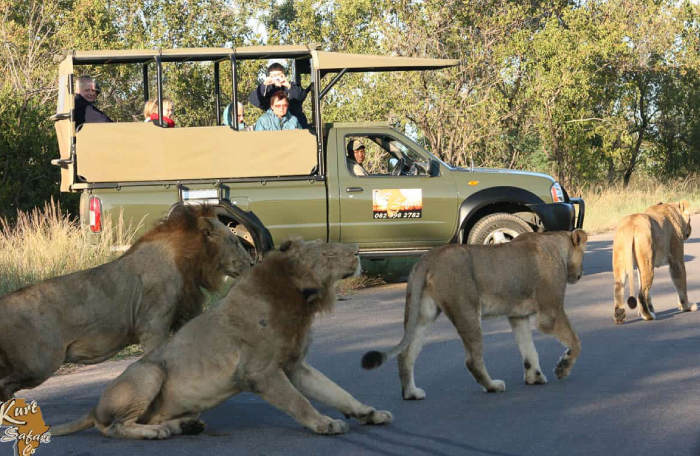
(323, 60)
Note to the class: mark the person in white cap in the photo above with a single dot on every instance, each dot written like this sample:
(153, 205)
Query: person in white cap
(356, 156)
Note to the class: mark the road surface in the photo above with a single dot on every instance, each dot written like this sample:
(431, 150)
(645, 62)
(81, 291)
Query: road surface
(634, 390)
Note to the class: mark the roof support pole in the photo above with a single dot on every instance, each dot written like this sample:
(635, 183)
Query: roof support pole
(234, 92)
(144, 70)
(317, 121)
(160, 91)
(333, 82)
(217, 90)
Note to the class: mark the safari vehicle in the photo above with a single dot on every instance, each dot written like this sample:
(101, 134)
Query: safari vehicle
(270, 185)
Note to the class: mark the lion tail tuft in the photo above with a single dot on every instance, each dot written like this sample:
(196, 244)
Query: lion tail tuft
(373, 359)
(416, 282)
(84, 422)
(629, 269)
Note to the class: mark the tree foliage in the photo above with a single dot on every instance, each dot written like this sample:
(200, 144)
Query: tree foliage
(589, 91)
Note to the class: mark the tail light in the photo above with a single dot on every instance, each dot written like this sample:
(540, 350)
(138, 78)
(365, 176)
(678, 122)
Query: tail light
(95, 214)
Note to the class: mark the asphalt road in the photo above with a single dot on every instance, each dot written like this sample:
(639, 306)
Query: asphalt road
(634, 390)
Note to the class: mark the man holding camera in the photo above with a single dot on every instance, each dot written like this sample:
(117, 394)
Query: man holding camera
(276, 80)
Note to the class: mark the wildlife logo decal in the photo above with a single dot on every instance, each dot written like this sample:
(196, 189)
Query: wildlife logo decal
(23, 425)
(397, 203)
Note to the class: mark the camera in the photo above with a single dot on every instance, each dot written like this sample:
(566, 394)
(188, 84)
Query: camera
(278, 80)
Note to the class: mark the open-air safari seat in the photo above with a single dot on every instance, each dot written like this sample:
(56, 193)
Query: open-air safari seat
(143, 152)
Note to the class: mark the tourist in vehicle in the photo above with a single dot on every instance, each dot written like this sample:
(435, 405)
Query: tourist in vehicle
(168, 108)
(277, 116)
(241, 123)
(356, 156)
(149, 108)
(85, 110)
(275, 81)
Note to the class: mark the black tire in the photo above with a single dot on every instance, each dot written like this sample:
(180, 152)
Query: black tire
(497, 228)
(246, 240)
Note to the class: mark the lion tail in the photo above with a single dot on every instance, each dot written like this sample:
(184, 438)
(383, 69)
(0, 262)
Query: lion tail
(629, 269)
(416, 283)
(84, 422)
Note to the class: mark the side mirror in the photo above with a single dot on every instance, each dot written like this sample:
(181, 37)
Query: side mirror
(392, 164)
(433, 168)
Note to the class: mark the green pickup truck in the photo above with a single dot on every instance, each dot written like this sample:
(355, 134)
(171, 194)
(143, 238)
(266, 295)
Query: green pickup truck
(270, 185)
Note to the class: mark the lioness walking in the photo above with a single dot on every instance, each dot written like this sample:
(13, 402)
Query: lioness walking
(649, 240)
(466, 282)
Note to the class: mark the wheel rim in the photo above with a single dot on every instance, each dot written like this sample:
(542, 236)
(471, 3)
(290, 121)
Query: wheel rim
(501, 235)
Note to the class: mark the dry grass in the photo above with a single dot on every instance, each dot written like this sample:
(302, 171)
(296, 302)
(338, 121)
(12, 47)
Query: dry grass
(44, 243)
(607, 206)
(349, 285)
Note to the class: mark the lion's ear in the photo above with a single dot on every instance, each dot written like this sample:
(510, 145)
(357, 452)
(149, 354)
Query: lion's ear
(290, 243)
(311, 294)
(205, 226)
(684, 206)
(579, 237)
(304, 279)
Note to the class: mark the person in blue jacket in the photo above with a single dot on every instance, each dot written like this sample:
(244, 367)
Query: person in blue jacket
(278, 117)
(276, 81)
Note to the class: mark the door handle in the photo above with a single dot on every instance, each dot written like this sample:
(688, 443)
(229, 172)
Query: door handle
(354, 189)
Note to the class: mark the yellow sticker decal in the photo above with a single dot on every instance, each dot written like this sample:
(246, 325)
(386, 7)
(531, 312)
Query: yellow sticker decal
(396, 203)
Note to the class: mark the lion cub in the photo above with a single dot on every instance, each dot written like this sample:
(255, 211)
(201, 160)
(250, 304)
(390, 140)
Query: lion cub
(649, 240)
(467, 282)
(255, 339)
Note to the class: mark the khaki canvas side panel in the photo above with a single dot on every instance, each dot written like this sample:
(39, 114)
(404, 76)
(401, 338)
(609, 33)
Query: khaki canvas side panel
(130, 152)
(65, 128)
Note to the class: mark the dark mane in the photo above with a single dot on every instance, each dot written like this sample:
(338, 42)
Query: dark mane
(197, 259)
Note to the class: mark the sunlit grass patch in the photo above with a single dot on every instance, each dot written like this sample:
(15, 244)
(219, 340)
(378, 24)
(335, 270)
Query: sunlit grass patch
(45, 243)
(605, 207)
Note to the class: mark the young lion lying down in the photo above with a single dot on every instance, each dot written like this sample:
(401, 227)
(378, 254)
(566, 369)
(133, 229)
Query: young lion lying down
(256, 339)
(468, 282)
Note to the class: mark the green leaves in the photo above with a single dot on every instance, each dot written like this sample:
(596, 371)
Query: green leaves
(589, 91)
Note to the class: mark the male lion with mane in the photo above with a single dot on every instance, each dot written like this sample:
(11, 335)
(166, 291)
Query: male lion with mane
(256, 340)
(650, 240)
(88, 316)
(525, 277)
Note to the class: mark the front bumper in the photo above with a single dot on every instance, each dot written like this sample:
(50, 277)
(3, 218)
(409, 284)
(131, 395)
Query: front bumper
(560, 216)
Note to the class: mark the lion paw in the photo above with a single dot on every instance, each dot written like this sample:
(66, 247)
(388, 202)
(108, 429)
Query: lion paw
(155, 432)
(377, 417)
(563, 368)
(535, 377)
(620, 315)
(650, 317)
(413, 394)
(497, 386)
(193, 427)
(688, 308)
(329, 426)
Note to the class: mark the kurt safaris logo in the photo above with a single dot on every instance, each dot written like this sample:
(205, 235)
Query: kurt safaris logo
(22, 425)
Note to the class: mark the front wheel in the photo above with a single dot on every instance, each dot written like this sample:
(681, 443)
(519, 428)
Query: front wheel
(498, 228)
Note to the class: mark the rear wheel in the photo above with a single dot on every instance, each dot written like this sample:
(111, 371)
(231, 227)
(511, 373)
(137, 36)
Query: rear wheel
(246, 239)
(498, 228)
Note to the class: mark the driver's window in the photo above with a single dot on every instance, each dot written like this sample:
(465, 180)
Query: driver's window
(365, 156)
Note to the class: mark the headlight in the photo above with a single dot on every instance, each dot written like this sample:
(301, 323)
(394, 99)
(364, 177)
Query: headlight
(557, 193)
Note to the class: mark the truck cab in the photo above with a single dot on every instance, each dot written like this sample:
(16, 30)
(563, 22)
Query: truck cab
(272, 185)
